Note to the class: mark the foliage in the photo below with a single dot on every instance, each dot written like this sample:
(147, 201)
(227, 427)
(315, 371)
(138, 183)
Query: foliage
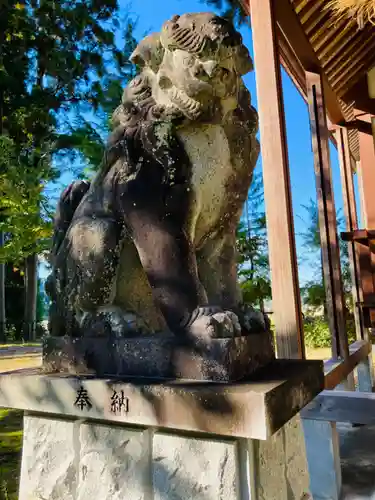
(10, 453)
(87, 135)
(253, 248)
(25, 214)
(317, 334)
(316, 329)
(15, 300)
(230, 9)
(54, 59)
(313, 293)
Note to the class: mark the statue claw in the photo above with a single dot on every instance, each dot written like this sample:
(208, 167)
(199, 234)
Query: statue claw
(218, 325)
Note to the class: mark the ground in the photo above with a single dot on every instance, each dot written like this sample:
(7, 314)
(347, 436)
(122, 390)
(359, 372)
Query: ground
(10, 452)
(321, 353)
(11, 425)
(357, 461)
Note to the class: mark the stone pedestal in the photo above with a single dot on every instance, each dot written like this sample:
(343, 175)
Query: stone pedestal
(87, 438)
(86, 460)
(160, 356)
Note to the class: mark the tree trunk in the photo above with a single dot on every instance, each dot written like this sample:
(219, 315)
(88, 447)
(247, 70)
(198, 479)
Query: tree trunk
(261, 304)
(31, 291)
(2, 294)
(325, 308)
(2, 265)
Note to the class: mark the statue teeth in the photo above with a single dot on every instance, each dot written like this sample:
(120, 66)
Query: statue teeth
(185, 102)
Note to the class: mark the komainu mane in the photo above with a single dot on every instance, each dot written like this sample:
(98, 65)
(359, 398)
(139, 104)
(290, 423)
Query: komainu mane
(149, 245)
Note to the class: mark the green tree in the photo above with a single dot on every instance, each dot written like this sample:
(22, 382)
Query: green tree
(313, 293)
(253, 248)
(15, 299)
(230, 9)
(87, 136)
(54, 60)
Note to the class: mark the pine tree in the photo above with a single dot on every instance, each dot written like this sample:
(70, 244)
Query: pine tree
(252, 247)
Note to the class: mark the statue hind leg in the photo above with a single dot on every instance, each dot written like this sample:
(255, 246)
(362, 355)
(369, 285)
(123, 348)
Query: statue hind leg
(88, 261)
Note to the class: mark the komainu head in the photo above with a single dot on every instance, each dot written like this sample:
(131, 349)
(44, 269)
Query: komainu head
(193, 67)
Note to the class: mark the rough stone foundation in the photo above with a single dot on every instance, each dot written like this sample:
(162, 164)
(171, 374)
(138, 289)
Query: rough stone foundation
(87, 460)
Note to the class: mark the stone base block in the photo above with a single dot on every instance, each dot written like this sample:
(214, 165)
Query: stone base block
(162, 357)
(78, 460)
(256, 409)
(86, 460)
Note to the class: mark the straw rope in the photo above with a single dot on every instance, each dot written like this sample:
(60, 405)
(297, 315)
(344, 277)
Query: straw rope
(362, 10)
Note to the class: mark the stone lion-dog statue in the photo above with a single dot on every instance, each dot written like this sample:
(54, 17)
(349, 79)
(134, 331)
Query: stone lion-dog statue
(150, 244)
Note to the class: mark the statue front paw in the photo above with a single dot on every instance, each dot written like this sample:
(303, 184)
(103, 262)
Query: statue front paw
(220, 324)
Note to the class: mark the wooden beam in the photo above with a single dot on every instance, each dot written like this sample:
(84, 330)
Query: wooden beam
(362, 236)
(295, 70)
(359, 95)
(289, 24)
(351, 219)
(359, 125)
(327, 216)
(342, 406)
(337, 371)
(286, 301)
(367, 175)
(293, 63)
(366, 183)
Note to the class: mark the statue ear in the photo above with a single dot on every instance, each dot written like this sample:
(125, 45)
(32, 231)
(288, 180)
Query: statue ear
(149, 52)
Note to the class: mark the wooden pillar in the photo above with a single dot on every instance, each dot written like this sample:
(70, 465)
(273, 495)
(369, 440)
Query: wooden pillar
(351, 219)
(327, 216)
(359, 259)
(323, 457)
(366, 177)
(366, 182)
(286, 302)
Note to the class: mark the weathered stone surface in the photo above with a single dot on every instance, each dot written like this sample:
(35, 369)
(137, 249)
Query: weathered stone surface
(113, 463)
(150, 243)
(297, 475)
(282, 466)
(49, 459)
(160, 356)
(256, 408)
(185, 468)
(86, 460)
(78, 460)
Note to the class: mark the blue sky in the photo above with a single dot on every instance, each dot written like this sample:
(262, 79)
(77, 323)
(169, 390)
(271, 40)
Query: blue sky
(150, 15)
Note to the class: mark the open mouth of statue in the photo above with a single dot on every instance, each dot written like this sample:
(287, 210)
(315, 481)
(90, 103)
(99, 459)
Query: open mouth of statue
(189, 106)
